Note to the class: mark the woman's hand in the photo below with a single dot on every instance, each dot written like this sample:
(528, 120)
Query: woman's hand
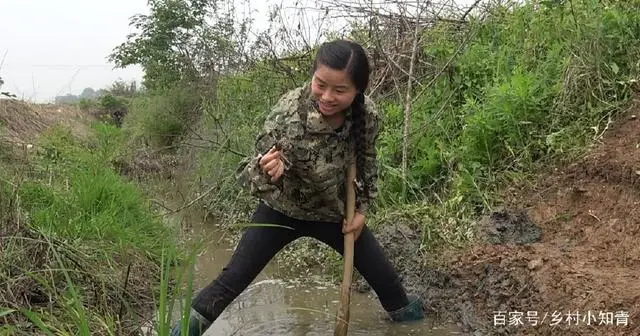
(271, 163)
(356, 225)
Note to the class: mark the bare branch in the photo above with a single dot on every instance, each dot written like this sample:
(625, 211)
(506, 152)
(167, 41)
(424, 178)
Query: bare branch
(470, 9)
(407, 108)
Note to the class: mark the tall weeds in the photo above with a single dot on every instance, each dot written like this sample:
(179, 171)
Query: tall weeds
(81, 253)
(521, 89)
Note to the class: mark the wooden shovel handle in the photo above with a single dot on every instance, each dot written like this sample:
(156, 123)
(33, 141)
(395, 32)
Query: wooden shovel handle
(342, 319)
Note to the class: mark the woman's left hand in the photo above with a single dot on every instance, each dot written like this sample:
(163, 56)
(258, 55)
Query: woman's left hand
(356, 225)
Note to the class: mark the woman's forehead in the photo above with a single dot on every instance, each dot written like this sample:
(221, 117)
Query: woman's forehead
(333, 77)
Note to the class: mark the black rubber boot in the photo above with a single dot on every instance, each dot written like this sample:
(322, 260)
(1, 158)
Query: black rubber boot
(197, 325)
(414, 311)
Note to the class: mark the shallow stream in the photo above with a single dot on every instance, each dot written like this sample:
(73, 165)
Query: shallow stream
(279, 303)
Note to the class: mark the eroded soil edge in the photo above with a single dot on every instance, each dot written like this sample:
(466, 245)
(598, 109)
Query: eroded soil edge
(565, 255)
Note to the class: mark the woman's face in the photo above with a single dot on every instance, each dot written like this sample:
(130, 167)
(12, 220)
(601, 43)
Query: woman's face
(333, 89)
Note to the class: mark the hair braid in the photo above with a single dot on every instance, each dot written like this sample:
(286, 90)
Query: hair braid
(358, 135)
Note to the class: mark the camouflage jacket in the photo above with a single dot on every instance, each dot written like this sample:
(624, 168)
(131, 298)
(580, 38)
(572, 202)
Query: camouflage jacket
(313, 185)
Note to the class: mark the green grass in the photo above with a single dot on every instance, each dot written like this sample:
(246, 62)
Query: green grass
(75, 235)
(531, 88)
(518, 98)
(75, 193)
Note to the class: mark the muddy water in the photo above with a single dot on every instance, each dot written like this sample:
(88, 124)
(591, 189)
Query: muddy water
(279, 303)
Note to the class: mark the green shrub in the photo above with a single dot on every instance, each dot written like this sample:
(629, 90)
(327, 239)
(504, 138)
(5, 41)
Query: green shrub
(519, 95)
(163, 117)
(86, 104)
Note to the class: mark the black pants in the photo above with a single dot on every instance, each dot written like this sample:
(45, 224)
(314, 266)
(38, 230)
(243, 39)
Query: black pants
(259, 245)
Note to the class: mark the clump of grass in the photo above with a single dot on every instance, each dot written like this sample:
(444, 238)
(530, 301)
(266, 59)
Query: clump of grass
(80, 250)
(44, 272)
(162, 118)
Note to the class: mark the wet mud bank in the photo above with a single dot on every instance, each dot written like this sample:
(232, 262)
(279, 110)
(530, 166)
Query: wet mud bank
(560, 259)
(470, 286)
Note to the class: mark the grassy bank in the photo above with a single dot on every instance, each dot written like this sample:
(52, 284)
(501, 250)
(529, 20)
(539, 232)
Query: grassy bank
(499, 99)
(82, 252)
(530, 87)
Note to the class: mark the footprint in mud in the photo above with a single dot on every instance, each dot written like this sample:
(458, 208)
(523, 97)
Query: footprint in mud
(506, 226)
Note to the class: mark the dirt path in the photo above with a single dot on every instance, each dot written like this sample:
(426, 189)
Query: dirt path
(576, 268)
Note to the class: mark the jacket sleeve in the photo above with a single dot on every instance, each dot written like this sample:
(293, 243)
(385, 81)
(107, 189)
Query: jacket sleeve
(282, 127)
(369, 176)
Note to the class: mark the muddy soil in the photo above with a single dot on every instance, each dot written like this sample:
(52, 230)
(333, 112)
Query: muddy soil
(560, 259)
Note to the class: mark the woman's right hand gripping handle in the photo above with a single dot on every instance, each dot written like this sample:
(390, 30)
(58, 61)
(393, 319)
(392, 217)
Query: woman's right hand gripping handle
(272, 164)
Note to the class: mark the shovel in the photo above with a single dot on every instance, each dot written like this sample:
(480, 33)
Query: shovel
(342, 319)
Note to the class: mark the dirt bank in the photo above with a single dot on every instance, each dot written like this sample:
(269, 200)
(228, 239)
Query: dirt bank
(22, 122)
(562, 259)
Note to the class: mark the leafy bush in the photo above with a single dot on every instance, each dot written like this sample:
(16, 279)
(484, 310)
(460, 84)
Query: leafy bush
(163, 117)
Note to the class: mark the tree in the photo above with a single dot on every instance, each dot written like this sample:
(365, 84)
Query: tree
(67, 99)
(88, 93)
(175, 42)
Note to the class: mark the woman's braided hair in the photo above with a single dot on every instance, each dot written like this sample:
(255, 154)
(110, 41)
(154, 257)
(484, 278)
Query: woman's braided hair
(352, 58)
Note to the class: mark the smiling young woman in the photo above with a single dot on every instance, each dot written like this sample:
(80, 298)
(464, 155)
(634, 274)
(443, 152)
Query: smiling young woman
(334, 93)
(298, 172)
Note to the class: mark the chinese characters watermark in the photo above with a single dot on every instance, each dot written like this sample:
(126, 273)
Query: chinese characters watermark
(535, 318)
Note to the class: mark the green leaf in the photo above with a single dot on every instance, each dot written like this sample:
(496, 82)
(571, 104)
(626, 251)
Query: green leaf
(615, 68)
(37, 321)
(6, 311)
(247, 225)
